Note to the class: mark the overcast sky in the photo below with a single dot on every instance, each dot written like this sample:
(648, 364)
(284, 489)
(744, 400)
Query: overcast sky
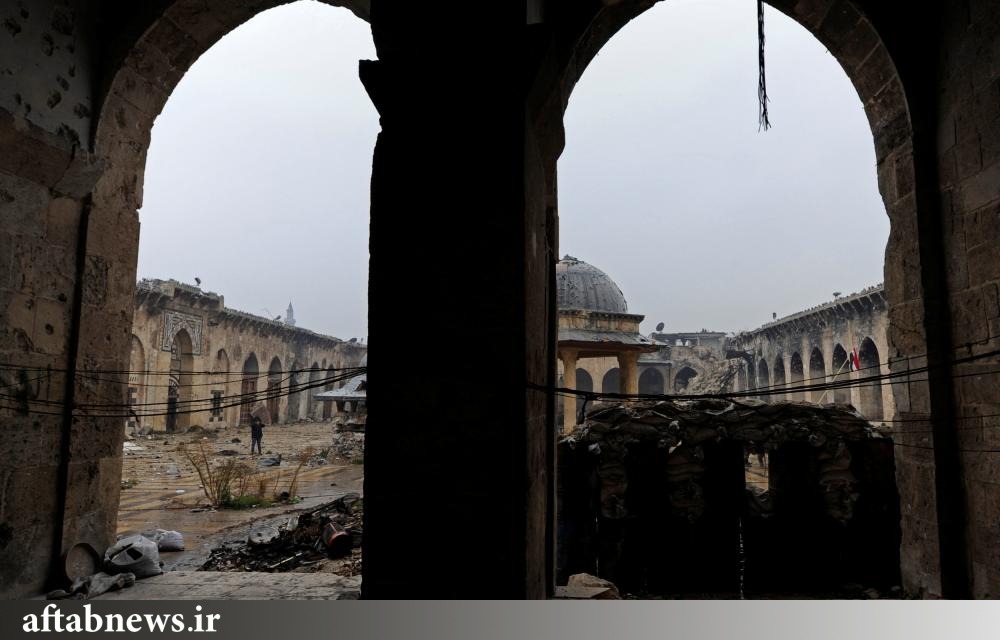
(258, 174)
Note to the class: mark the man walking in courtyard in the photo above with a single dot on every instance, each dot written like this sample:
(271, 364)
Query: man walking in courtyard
(256, 433)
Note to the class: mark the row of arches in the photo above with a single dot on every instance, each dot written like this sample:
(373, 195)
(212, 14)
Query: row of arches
(651, 380)
(795, 372)
(220, 384)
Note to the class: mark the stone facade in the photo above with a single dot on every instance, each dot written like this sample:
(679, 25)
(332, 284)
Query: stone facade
(81, 83)
(230, 353)
(816, 346)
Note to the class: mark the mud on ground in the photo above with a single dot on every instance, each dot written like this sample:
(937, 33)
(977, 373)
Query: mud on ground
(161, 488)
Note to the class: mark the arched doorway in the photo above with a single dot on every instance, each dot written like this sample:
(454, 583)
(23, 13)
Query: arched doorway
(779, 377)
(871, 393)
(651, 382)
(179, 383)
(795, 376)
(610, 383)
(274, 380)
(841, 373)
(683, 379)
(817, 375)
(248, 388)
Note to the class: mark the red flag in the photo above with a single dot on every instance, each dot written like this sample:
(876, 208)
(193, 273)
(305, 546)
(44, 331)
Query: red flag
(855, 360)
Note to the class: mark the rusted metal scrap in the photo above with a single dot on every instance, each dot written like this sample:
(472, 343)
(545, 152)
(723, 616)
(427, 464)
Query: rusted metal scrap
(299, 542)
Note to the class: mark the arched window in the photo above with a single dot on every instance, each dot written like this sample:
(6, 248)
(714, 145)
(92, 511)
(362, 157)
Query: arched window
(248, 388)
(651, 381)
(611, 384)
(779, 377)
(871, 393)
(817, 375)
(683, 379)
(795, 376)
(841, 372)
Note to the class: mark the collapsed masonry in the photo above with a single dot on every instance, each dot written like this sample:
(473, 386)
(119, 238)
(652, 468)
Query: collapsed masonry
(653, 496)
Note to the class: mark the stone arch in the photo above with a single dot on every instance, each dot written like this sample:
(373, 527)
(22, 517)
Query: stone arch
(845, 31)
(179, 389)
(841, 372)
(651, 381)
(584, 382)
(870, 394)
(275, 378)
(854, 41)
(763, 379)
(612, 381)
(817, 375)
(779, 376)
(155, 52)
(248, 387)
(683, 378)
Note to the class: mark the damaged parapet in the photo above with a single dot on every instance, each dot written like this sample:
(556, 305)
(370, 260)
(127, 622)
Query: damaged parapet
(653, 496)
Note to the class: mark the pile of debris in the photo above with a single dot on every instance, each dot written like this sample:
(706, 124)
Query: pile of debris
(307, 542)
(348, 444)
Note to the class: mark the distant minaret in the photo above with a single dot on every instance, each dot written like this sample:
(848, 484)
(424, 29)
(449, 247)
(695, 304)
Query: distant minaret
(290, 315)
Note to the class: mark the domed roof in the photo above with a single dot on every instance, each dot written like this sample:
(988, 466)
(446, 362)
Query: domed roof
(583, 286)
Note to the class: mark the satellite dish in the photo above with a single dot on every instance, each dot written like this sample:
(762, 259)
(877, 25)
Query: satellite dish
(659, 327)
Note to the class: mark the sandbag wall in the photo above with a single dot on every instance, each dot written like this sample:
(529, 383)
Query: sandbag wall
(653, 497)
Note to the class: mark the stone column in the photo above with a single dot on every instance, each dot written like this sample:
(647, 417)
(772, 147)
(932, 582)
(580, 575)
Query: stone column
(568, 357)
(628, 369)
(454, 145)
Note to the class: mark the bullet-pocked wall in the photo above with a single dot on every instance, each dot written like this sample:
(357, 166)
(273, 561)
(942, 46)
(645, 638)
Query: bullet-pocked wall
(82, 83)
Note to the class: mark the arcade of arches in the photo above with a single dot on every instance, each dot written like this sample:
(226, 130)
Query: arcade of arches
(476, 155)
(214, 354)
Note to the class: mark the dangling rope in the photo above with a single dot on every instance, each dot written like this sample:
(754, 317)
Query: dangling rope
(765, 123)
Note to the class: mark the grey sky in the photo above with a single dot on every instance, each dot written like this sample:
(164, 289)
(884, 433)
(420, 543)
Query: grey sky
(258, 174)
(666, 184)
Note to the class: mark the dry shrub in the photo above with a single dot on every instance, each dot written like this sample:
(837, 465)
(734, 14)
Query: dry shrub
(233, 483)
(217, 481)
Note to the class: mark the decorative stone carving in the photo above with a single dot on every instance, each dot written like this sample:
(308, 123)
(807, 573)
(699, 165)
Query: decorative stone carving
(174, 321)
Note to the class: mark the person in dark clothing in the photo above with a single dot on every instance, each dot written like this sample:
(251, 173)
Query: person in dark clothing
(256, 433)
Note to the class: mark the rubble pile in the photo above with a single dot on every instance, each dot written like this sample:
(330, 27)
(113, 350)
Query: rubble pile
(718, 376)
(303, 543)
(348, 444)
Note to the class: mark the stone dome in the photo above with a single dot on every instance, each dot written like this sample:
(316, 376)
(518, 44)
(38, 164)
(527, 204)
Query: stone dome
(583, 286)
